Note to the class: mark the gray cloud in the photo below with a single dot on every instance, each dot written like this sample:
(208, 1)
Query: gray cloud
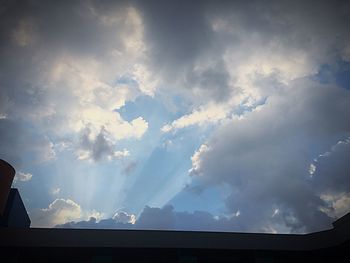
(212, 82)
(10, 144)
(163, 218)
(71, 25)
(93, 223)
(185, 48)
(129, 167)
(17, 141)
(97, 148)
(180, 38)
(167, 218)
(266, 156)
(197, 47)
(121, 220)
(177, 31)
(332, 169)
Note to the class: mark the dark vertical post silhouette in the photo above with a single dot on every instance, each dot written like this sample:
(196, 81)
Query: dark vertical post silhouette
(12, 210)
(7, 173)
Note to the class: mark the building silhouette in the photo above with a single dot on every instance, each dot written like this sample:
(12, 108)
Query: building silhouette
(12, 210)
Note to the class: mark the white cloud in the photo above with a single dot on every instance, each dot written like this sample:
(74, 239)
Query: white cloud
(312, 169)
(121, 220)
(123, 217)
(339, 203)
(61, 211)
(196, 160)
(95, 101)
(95, 111)
(133, 38)
(275, 212)
(56, 191)
(205, 115)
(146, 83)
(65, 84)
(94, 214)
(119, 154)
(23, 177)
(45, 150)
(238, 213)
(58, 212)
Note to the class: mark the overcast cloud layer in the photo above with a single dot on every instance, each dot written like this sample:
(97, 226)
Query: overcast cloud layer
(191, 115)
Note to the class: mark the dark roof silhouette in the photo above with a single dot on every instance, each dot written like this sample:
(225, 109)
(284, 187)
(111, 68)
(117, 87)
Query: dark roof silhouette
(19, 243)
(92, 245)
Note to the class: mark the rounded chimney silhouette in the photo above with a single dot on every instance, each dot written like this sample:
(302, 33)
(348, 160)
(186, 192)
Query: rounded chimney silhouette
(7, 173)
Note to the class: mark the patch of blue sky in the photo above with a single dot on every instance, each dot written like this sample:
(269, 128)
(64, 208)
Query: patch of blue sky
(35, 192)
(126, 79)
(325, 74)
(161, 160)
(29, 161)
(338, 73)
(152, 109)
(156, 115)
(90, 184)
(32, 191)
(243, 107)
(164, 173)
(343, 75)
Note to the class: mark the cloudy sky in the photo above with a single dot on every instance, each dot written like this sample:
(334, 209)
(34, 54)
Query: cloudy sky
(187, 115)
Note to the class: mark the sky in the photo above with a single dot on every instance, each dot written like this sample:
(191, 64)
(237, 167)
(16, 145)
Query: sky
(181, 115)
